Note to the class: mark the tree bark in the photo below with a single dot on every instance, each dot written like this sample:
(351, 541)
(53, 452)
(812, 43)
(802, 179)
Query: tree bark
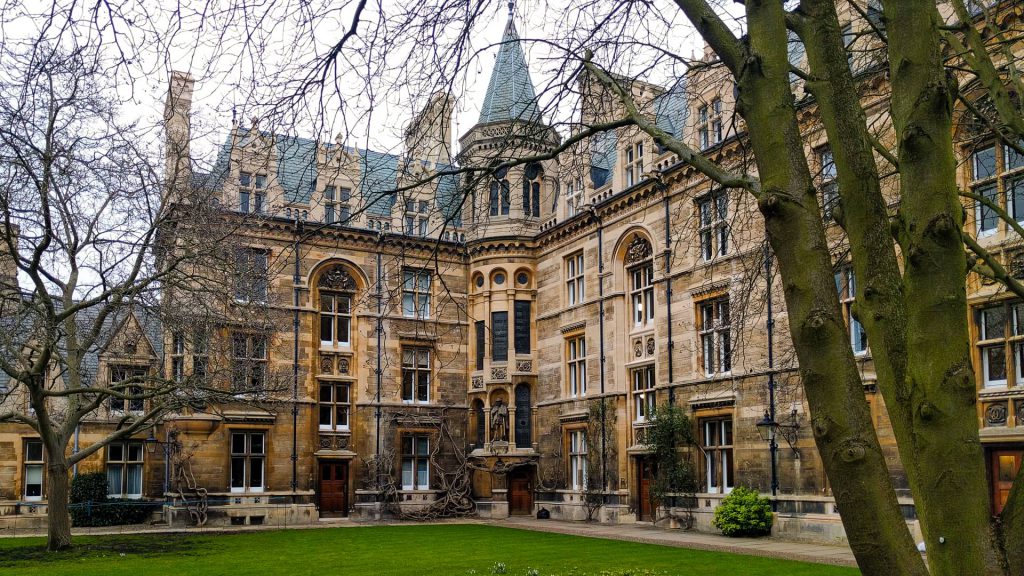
(841, 424)
(948, 477)
(58, 517)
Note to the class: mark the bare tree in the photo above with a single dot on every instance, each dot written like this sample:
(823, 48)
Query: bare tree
(92, 241)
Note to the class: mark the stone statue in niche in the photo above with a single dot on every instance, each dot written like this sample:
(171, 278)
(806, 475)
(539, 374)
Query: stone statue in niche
(499, 422)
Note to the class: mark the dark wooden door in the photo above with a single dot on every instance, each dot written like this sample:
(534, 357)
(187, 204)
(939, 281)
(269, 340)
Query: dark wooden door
(334, 488)
(1005, 467)
(646, 477)
(520, 492)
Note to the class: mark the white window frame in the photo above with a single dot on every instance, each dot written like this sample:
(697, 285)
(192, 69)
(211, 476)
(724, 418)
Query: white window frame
(416, 292)
(715, 336)
(35, 466)
(249, 461)
(415, 462)
(335, 308)
(416, 364)
(999, 343)
(578, 459)
(573, 196)
(846, 285)
(644, 395)
(128, 465)
(987, 186)
(713, 223)
(718, 456)
(340, 408)
(576, 365)
(641, 294)
(574, 279)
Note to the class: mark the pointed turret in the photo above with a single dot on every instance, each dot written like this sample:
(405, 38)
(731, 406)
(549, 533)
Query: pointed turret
(512, 200)
(510, 93)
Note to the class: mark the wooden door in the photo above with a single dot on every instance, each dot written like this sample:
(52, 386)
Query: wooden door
(646, 477)
(1005, 467)
(521, 492)
(334, 488)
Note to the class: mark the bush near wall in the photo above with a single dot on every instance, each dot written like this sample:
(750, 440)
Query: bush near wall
(90, 505)
(744, 513)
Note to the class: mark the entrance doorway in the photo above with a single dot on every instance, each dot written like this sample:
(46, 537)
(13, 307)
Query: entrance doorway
(1005, 467)
(520, 491)
(645, 474)
(333, 488)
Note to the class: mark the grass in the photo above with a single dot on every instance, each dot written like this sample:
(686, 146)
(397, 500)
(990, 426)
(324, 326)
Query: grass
(384, 550)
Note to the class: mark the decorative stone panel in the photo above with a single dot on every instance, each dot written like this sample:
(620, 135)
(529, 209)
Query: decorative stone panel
(644, 347)
(335, 364)
(477, 382)
(996, 413)
(499, 373)
(1019, 404)
(524, 365)
(334, 442)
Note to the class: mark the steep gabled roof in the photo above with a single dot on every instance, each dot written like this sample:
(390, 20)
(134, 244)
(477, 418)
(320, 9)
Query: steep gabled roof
(510, 94)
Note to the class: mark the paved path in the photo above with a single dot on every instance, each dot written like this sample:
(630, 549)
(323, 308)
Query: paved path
(771, 547)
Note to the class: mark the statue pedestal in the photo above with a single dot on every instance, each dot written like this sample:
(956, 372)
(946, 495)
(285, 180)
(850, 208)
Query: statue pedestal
(499, 503)
(499, 447)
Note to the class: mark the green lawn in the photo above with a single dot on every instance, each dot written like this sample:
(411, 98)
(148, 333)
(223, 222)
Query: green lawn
(384, 550)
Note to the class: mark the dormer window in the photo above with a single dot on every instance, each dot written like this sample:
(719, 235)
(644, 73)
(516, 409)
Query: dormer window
(416, 217)
(709, 124)
(573, 196)
(336, 205)
(252, 192)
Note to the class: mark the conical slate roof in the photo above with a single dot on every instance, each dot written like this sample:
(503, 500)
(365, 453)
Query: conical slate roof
(510, 94)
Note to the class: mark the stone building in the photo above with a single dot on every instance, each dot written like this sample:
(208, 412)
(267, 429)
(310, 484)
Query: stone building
(530, 316)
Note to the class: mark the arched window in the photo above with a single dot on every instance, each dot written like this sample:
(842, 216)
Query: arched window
(494, 198)
(640, 270)
(523, 439)
(531, 190)
(500, 193)
(335, 289)
(481, 423)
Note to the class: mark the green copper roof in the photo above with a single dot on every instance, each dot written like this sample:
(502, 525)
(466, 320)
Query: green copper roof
(510, 94)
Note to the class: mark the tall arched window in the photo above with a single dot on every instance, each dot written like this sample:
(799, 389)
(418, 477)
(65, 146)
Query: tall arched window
(531, 190)
(335, 288)
(481, 423)
(640, 270)
(500, 193)
(523, 439)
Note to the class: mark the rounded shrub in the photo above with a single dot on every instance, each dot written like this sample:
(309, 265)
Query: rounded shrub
(744, 513)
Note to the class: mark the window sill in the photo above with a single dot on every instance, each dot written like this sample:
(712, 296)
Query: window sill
(242, 491)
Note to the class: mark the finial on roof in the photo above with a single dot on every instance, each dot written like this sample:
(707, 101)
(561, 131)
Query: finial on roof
(511, 7)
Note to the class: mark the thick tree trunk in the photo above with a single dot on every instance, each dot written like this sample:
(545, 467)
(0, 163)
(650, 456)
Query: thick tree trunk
(842, 426)
(58, 492)
(948, 477)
